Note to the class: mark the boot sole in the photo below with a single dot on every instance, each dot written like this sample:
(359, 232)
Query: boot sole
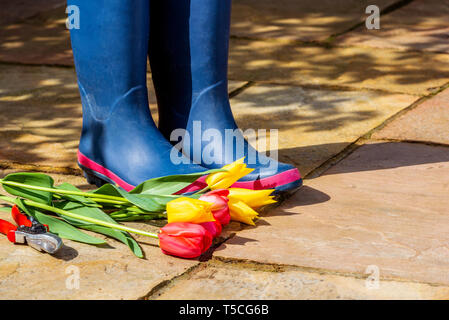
(98, 175)
(95, 178)
(284, 183)
(287, 181)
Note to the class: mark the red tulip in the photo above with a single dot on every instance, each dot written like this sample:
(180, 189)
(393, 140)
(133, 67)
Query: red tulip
(214, 228)
(185, 240)
(219, 200)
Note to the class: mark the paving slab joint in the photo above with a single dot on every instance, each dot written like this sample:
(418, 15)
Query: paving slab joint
(38, 168)
(24, 64)
(367, 136)
(393, 7)
(247, 264)
(427, 143)
(240, 89)
(204, 262)
(304, 43)
(414, 105)
(163, 286)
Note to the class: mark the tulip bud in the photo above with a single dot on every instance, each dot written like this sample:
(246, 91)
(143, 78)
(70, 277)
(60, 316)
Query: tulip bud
(189, 210)
(225, 179)
(219, 201)
(185, 240)
(241, 212)
(253, 198)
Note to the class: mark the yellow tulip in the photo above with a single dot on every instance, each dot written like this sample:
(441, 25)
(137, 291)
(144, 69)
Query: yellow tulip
(225, 179)
(189, 210)
(241, 212)
(253, 198)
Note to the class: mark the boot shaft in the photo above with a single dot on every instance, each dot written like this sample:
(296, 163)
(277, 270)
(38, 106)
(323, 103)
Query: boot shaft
(191, 37)
(189, 44)
(110, 53)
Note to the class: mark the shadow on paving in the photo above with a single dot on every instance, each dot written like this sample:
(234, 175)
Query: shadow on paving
(40, 39)
(282, 62)
(17, 10)
(327, 110)
(40, 126)
(384, 204)
(389, 155)
(44, 39)
(298, 20)
(420, 25)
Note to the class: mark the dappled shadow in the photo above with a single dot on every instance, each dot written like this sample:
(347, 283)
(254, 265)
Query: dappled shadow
(40, 112)
(35, 33)
(42, 39)
(284, 107)
(41, 115)
(288, 63)
(420, 25)
(298, 20)
(18, 10)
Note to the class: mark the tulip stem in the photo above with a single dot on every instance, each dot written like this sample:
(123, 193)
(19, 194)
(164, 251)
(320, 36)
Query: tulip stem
(80, 217)
(117, 200)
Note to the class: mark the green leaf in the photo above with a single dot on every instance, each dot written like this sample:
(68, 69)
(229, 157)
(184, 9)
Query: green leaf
(59, 227)
(96, 213)
(65, 230)
(147, 202)
(30, 178)
(169, 184)
(70, 187)
(118, 235)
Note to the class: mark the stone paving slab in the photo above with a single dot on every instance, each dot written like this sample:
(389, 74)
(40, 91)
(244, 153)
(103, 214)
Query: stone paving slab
(109, 272)
(297, 20)
(43, 39)
(41, 117)
(429, 122)
(17, 10)
(314, 125)
(286, 63)
(226, 282)
(384, 205)
(420, 25)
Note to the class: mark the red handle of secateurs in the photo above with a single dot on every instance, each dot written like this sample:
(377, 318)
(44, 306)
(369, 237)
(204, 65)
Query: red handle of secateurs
(19, 218)
(9, 229)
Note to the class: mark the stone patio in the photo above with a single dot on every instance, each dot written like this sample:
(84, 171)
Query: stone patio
(364, 115)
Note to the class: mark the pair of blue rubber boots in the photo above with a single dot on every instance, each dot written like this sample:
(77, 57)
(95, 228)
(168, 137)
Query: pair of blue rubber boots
(187, 45)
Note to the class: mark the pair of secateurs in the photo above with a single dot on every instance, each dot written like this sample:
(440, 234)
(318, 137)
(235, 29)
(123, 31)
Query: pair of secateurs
(30, 231)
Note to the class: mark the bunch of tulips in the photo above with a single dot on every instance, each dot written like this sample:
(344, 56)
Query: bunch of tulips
(192, 224)
(192, 221)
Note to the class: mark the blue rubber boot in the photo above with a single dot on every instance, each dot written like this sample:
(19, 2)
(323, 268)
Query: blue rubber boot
(189, 58)
(119, 143)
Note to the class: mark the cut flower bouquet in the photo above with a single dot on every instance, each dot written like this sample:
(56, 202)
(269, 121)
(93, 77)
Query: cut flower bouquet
(193, 220)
